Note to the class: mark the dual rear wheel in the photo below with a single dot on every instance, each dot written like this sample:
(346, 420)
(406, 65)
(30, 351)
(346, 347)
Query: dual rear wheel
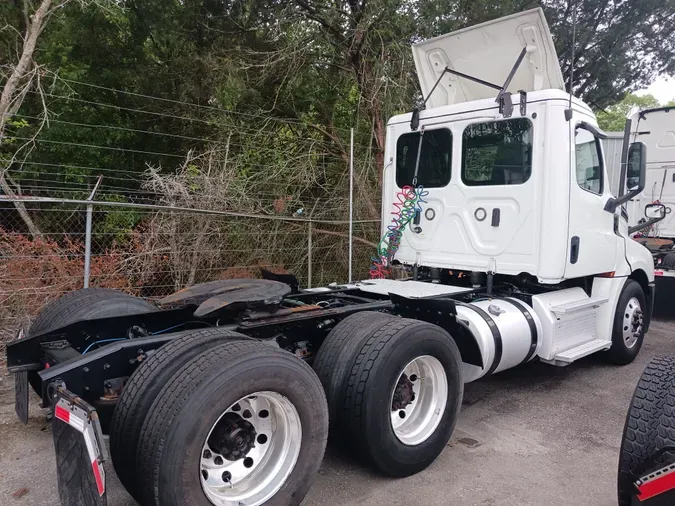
(394, 389)
(216, 418)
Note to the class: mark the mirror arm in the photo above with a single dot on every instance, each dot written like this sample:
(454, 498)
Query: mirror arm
(615, 202)
(594, 130)
(646, 224)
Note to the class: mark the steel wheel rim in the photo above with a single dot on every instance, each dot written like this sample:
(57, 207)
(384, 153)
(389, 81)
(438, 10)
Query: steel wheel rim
(632, 322)
(421, 415)
(254, 477)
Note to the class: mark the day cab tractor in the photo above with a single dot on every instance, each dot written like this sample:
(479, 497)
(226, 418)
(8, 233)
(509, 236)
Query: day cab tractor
(226, 392)
(656, 129)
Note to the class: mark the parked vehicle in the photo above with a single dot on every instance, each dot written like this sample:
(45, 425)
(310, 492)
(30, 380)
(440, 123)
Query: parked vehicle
(647, 459)
(517, 251)
(656, 129)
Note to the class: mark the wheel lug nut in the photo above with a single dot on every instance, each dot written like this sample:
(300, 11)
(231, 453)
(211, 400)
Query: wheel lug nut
(218, 461)
(207, 454)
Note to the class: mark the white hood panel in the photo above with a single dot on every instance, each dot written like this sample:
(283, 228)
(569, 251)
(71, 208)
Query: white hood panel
(488, 51)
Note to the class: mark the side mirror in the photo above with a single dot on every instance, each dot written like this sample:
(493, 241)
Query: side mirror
(636, 171)
(655, 211)
(636, 175)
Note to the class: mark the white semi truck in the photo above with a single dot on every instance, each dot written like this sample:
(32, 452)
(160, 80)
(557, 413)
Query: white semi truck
(656, 129)
(223, 393)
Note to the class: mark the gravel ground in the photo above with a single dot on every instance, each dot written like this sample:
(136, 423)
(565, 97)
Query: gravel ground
(536, 435)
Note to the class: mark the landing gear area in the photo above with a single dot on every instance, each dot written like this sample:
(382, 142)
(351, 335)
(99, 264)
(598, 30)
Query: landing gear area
(647, 459)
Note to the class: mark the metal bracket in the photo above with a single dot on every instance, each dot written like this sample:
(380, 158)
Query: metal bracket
(523, 102)
(505, 104)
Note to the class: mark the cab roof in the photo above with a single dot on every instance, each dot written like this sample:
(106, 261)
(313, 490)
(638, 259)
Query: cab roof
(488, 106)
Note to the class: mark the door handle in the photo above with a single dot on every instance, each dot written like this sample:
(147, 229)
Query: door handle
(574, 249)
(496, 217)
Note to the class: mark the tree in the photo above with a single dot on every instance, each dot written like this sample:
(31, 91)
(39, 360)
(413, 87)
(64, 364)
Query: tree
(613, 118)
(20, 78)
(621, 45)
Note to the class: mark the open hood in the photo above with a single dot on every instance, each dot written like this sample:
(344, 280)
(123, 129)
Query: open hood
(488, 51)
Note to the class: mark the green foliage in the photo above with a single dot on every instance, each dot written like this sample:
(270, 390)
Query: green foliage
(276, 84)
(613, 118)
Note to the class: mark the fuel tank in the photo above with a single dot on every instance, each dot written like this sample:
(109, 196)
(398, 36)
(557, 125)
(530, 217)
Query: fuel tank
(507, 330)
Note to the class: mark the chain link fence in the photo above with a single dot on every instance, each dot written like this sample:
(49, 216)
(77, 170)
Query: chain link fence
(152, 252)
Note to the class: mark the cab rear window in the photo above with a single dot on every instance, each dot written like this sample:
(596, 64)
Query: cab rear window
(497, 152)
(434, 161)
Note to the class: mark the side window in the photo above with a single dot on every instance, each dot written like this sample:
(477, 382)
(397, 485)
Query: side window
(588, 161)
(435, 158)
(497, 152)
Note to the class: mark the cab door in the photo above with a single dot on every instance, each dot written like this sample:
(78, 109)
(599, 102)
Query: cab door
(592, 241)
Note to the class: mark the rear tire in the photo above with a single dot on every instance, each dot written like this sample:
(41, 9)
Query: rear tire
(144, 386)
(172, 451)
(84, 304)
(336, 356)
(668, 262)
(629, 324)
(402, 396)
(650, 424)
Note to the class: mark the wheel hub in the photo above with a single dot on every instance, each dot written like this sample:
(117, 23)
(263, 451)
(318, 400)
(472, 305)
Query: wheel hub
(233, 437)
(418, 400)
(250, 450)
(633, 320)
(403, 393)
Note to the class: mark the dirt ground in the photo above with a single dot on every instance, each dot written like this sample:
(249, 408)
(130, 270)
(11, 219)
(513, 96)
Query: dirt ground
(536, 435)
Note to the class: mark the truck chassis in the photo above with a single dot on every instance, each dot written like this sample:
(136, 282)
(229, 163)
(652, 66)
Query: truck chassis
(111, 374)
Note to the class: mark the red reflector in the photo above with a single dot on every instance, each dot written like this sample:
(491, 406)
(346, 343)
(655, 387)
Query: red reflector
(656, 487)
(607, 274)
(62, 414)
(658, 273)
(97, 476)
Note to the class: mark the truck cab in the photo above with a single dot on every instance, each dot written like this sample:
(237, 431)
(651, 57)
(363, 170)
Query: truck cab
(517, 188)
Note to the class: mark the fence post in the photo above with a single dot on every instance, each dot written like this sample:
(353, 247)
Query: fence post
(87, 237)
(351, 201)
(310, 226)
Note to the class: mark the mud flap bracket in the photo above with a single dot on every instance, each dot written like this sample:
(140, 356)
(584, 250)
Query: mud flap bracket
(80, 450)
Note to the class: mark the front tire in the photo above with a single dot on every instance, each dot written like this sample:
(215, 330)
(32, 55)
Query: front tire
(629, 324)
(225, 385)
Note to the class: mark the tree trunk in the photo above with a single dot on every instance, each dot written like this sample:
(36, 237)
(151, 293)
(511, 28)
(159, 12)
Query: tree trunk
(10, 100)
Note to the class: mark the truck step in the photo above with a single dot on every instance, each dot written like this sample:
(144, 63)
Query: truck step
(578, 305)
(568, 356)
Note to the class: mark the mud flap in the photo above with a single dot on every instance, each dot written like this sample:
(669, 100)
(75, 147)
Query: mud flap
(80, 451)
